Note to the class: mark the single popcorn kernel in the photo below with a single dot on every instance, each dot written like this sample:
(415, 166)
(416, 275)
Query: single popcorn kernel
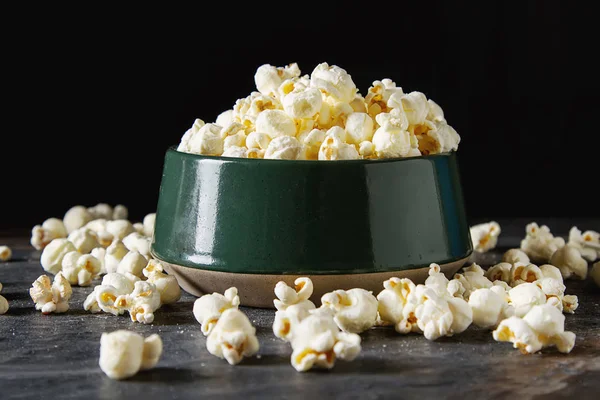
(485, 236)
(5, 253)
(233, 337)
(124, 353)
(209, 308)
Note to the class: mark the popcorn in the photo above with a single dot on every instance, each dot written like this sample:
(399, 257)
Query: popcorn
(120, 212)
(149, 221)
(499, 272)
(209, 308)
(84, 240)
(434, 316)
(80, 269)
(42, 235)
(391, 142)
(138, 242)
(134, 263)
(524, 297)
(184, 145)
(435, 137)
(392, 301)
(542, 326)
(473, 278)
(570, 262)
(142, 302)
(76, 217)
(268, 78)
(358, 104)
(52, 256)
(588, 243)
(317, 342)
(521, 273)
(291, 316)
(124, 353)
(3, 303)
(104, 296)
(302, 103)
(299, 294)
(485, 236)
(233, 337)
(379, 94)
(462, 315)
(333, 81)
(595, 273)
(514, 256)
(139, 228)
(435, 113)
(101, 210)
(255, 153)
(237, 140)
(53, 297)
(99, 253)
(283, 148)
(366, 149)
(554, 290)
(489, 308)
(311, 144)
(235, 151)
(333, 148)
(550, 271)
(414, 104)
(5, 253)
(119, 228)
(167, 285)
(437, 280)
(114, 254)
(539, 244)
(208, 140)
(355, 309)
(359, 127)
(258, 140)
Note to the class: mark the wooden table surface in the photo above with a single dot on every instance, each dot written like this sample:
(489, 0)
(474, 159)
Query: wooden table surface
(56, 356)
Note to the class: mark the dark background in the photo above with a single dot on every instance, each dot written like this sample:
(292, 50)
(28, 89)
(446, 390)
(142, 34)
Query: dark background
(95, 97)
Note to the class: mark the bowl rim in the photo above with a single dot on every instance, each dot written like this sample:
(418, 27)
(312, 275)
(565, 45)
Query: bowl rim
(173, 149)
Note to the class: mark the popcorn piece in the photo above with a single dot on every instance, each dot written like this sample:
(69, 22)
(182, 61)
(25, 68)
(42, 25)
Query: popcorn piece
(225, 118)
(167, 285)
(595, 273)
(521, 273)
(101, 210)
(311, 142)
(437, 280)
(379, 94)
(514, 256)
(139, 228)
(435, 113)
(550, 271)
(317, 342)
(462, 315)
(99, 253)
(499, 272)
(119, 228)
(284, 148)
(3, 305)
(291, 316)
(554, 290)
(299, 294)
(570, 262)
(366, 149)
(392, 301)
(106, 298)
(184, 145)
(142, 302)
(233, 337)
(208, 140)
(134, 263)
(275, 123)
(84, 240)
(209, 308)
(435, 137)
(473, 278)
(137, 242)
(570, 303)
(76, 217)
(236, 152)
(489, 308)
(539, 244)
(53, 297)
(358, 104)
(542, 326)
(258, 140)
(53, 254)
(238, 140)
(120, 212)
(114, 254)
(333, 81)
(268, 78)
(5, 253)
(302, 103)
(124, 353)
(42, 235)
(359, 127)
(485, 236)
(414, 104)
(333, 148)
(149, 222)
(355, 309)
(80, 269)
(255, 153)
(434, 317)
(391, 142)
(524, 297)
(588, 243)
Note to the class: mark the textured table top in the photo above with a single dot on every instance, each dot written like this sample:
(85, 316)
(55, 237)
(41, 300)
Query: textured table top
(56, 356)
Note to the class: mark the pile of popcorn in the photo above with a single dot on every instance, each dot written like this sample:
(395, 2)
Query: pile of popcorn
(323, 117)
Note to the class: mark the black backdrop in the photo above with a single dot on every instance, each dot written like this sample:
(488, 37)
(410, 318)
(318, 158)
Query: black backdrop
(95, 97)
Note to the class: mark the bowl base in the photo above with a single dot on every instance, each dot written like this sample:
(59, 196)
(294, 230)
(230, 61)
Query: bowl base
(256, 290)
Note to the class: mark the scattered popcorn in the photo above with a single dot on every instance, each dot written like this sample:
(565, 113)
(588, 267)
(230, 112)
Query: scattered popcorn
(42, 235)
(80, 269)
(542, 326)
(3, 303)
(104, 297)
(317, 342)
(134, 263)
(84, 240)
(138, 242)
(114, 254)
(76, 217)
(489, 308)
(355, 309)
(52, 256)
(588, 243)
(485, 236)
(524, 297)
(209, 308)
(167, 285)
(233, 337)
(570, 262)
(149, 221)
(5, 253)
(386, 123)
(595, 273)
(124, 353)
(539, 243)
(514, 256)
(49, 297)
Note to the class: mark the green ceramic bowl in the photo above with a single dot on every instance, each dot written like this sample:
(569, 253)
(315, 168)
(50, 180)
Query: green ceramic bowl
(237, 221)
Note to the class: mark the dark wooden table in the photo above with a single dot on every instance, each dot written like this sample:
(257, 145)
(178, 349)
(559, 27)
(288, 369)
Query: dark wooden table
(56, 356)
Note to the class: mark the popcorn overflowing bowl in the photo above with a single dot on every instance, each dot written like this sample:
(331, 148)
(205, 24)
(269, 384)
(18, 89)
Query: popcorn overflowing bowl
(250, 223)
